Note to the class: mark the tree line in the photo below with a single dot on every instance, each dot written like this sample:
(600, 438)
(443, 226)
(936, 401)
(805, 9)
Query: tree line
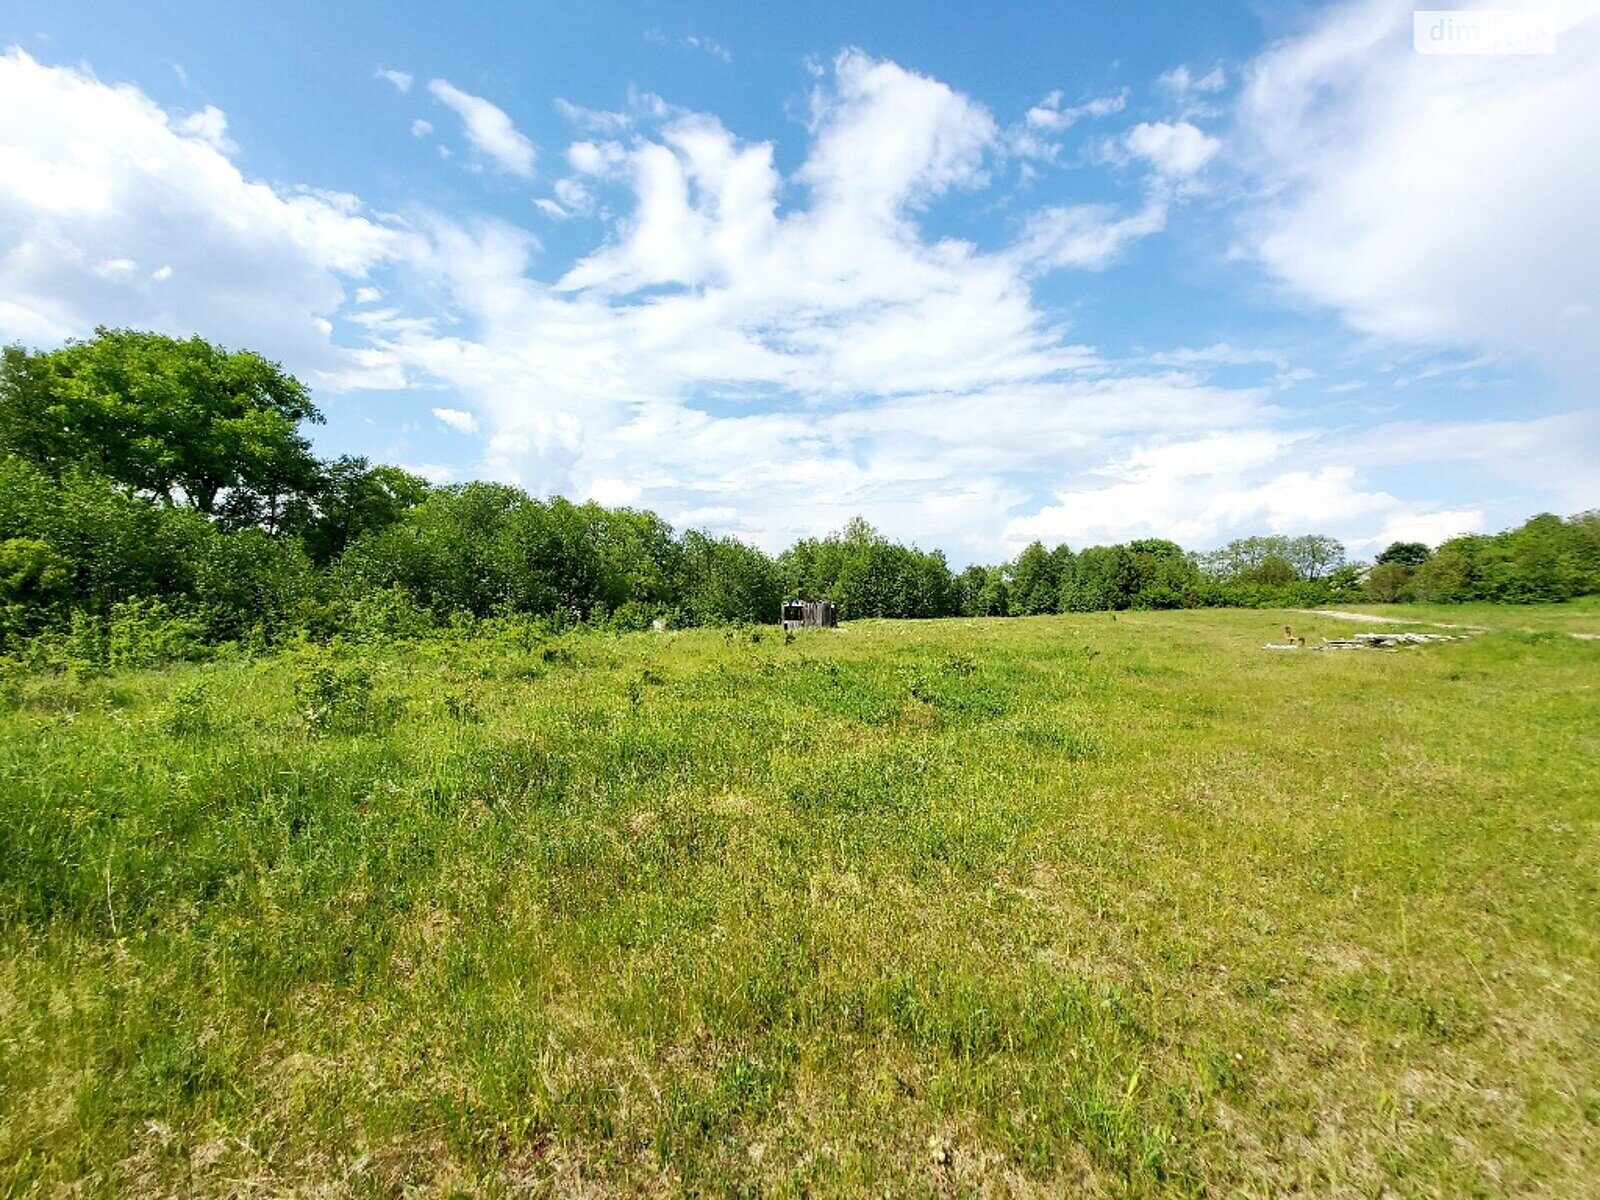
(158, 488)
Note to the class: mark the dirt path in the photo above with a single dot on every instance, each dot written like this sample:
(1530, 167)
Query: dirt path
(1371, 619)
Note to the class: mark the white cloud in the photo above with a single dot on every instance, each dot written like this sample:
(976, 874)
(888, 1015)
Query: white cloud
(551, 209)
(488, 128)
(613, 493)
(572, 193)
(1218, 354)
(94, 177)
(402, 80)
(590, 158)
(458, 419)
(1201, 492)
(711, 46)
(1445, 200)
(1090, 236)
(1182, 82)
(1034, 136)
(1175, 149)
(210, 124)
(586, 157)
(921, 384)
(691, 42)
(641, 107)
(421, 128)
(1050, 116)
(1430, 528)
(435, 473)
(888, 137)
(760, 351)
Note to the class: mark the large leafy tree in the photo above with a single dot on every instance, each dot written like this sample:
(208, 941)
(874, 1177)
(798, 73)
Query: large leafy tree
(181, 420)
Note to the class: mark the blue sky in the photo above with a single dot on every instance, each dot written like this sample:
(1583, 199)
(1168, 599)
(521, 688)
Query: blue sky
(1080, 273)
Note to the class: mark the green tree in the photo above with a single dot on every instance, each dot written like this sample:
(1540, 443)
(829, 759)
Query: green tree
(1388, 582)
(1035, 582)
(966, 589)
(1454, 572)
(1314, 556)
(725, 580)
(1405, 554)
(351, 498)
(994, 597)
(180, 420)
(32, 572)
(1103, 577)
(1161, 574)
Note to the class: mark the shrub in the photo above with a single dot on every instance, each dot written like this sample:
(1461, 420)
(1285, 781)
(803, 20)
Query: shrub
(146, 633)
(189, 713)
(387, 615)
(331, 691)
(87, 648)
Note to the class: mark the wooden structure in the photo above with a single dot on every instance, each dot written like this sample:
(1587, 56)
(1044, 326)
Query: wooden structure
(810, 614)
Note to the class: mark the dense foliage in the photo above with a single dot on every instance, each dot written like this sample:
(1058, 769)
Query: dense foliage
(158, 496)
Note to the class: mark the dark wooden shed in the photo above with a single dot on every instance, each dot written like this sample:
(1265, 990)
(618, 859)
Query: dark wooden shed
(810, 614)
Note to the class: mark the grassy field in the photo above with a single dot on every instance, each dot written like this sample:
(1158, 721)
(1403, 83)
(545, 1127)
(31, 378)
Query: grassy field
(1114, 906)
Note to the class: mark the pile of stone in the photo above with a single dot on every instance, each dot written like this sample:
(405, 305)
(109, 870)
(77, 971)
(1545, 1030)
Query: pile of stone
(1371, 641)
(1388, 641)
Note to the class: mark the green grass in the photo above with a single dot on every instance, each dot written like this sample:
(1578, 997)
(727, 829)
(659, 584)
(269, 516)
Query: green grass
(1034, 907)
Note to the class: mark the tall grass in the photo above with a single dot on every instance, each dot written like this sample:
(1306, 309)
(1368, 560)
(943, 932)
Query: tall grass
(1026, 907)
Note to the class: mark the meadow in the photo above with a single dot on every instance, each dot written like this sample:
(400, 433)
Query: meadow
(1115, 905)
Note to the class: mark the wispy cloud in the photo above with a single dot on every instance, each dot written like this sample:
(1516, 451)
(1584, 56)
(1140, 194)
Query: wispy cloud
(488, 128)
(690, 42)
(402, 80)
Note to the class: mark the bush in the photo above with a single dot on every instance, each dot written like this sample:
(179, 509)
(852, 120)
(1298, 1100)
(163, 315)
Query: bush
(189, 713)
(146, 633)
(331, 691)
(387, 615)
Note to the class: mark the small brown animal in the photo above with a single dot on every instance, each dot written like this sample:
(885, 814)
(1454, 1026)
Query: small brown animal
(1288, 636)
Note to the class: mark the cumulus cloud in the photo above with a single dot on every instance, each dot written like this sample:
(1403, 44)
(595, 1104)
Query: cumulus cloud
(1176, 149)
(1436, 199)
(458, 419)
(210, 124)
(888, 137)
(1430, 528)
(764, 351)
(488, 128)
(402, 80)
(1198, 492)
(107, 203)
